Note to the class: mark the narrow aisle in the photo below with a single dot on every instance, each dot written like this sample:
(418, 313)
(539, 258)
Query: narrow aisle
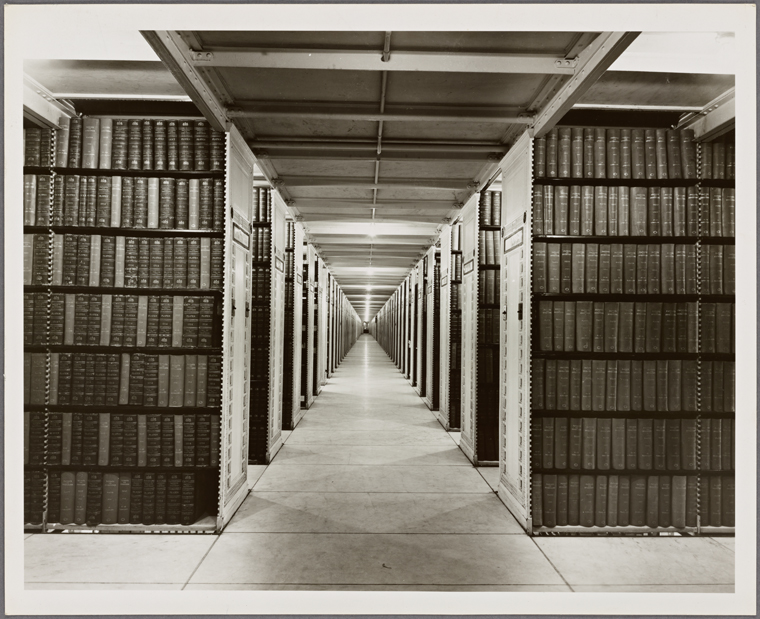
(370, 491)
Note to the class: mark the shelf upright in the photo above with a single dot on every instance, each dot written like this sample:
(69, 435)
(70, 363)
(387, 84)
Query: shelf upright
(432, 328)
(322, 324)
(308, 367)
(446, 272)
(420, 371)
(292, 362)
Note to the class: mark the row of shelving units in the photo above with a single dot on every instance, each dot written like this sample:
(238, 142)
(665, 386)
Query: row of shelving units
(584, 312)
(171, 306)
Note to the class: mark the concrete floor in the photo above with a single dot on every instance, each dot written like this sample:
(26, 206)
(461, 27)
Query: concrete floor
(370, 493)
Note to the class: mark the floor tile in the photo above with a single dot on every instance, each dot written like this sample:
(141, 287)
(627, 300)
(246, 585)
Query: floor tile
(653, 588)
(312, 512)
(353, 437)
(638, 560)
(726, 542)
(255, 471)
(375, 559)
(360, 478)
(75, 558)
(491, 475)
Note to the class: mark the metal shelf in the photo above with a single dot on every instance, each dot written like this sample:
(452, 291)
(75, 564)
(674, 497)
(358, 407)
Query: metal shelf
(207, 524)
(137, 232)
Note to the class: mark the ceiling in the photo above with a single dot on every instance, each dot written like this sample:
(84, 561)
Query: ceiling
(376, 139)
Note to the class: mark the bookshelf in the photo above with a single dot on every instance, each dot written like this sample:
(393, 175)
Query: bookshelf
(308, 365)
(269, 239)
(432, 327)
(127, 228)
(480, 325)
(320, 348)
(447, 416)
(293, 332)
(614, 320)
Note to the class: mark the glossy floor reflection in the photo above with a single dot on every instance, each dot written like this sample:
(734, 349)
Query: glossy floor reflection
(370, 493)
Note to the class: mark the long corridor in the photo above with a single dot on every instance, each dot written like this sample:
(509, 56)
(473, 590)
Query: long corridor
(368, 493)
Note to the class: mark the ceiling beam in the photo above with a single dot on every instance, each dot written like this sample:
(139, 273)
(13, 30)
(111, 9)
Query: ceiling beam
(716, 118)
(312, 144)
(388, 183)
(398, 113)
(593, 61)
(364, 60)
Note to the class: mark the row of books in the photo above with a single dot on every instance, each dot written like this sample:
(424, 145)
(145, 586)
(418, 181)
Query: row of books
(623, 385)
(124, 202)
(456, 296)
(632, 211)
(489, 325)
(139, 498)
(261, 208)
(636, 444)
(719, 158)
(489, 285)
(138, 144)
(456, 267)
(489, 208)
(38, 147)
(126, 262)
(144, 440)
(632, 500)
(261, 283)
(488, 371)
(628, 327)
(599, 268)
(126, 379)
(261, 244)
(576, 152)
(134, 320)
(35, 482)
(489, 248)
(261, 334)
(35, 318)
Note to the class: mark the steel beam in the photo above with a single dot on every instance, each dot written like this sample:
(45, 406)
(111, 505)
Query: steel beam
(363, 60)
(716, 118)
(42, 106)
(388, 183)
(593, 61)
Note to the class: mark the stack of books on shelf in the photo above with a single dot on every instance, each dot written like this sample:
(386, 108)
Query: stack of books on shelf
(489, 325)
(261, 240)
(305, 327)
(288, 352)
(632, 339)
(123, 321)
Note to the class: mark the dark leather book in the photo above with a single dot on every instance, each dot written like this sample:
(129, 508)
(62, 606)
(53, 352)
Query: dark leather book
(548, 202)
(705, 443)
(715, 211)
(624, 501)
(539, 157)
(549, 501)
(566, 268)
(665, 499)
(667, 265)
(673, 444)
(561, 209)
(219, 201)
(638, 504)
(638, 161)
(640, 215)
(689, 386)
(537, 495)
(716, 501)
(661, 153)
(666, 211)
(604, 268)
(645, 441)
(484, 209)
(715, 259)
(562, 500)
(576, 152)
(575, 443)
(185, 145)
(550, 385)
(625, 153)
(649, 387)
(564, 152)
(675, 381)
(623, 210)
(689, 444)
(546, 323)
(623, 385)
(650, 154)
(547, 442)
(611, 385)
(728, 222)
(588, 460)
(540, 274)
(552, 148)
(692, 211)
(629, 269)
(600, 501)
(611, 326)
(679, 269)
(718, 160)
(560, 442)
(587, 383)
(553, 268)
(709, 327)
(679, 211)
(578, 267)
(599, 316)
(729, 269)
(94, 505)
(588, 153)
(654, 327)
(201, 145)
(727, 446)
(592, 268)
(674, 154)
(600, 211)
(583, 325)
(691, 269)
(587, 211)
(600, 153)
(659, 445)
(616, 269)
(575, 385)
(662, 385)
(678, 501)
(729, 386)
(728, 501)
(568, 327)
(563, 384)
(688, 153)
(603, 443)
(537, 382)
(631, 443)
(613, 153)
(653, 501)
(617, 444)
(586, 503)
(703, 507)
(625, 327)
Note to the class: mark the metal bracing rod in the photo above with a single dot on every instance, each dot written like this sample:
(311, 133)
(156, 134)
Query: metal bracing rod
(368, 60)
(465, 116)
